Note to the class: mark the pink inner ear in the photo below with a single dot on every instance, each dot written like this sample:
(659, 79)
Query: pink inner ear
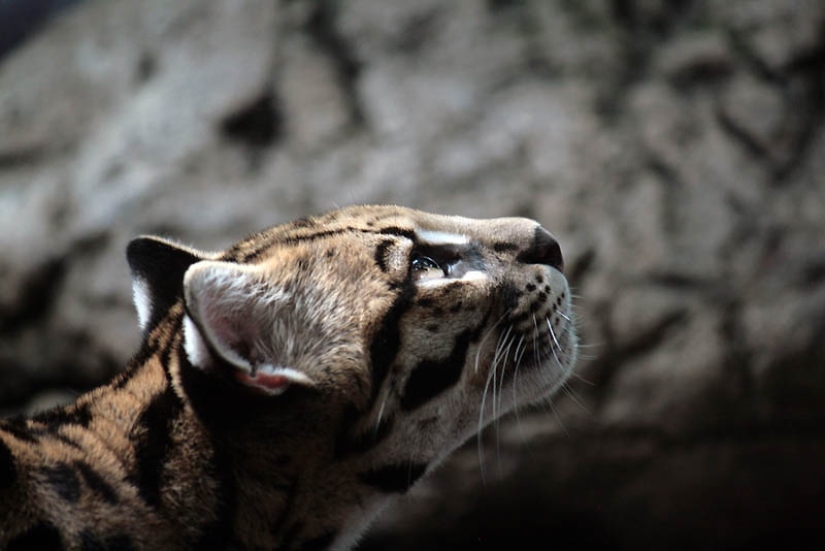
(230, 335)
(274, 384)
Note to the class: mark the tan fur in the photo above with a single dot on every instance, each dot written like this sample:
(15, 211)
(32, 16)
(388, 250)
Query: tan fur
(289, 387)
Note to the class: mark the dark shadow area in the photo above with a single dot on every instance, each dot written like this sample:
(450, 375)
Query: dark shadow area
(19, 19)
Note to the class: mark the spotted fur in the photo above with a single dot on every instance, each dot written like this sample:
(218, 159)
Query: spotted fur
(289, 387)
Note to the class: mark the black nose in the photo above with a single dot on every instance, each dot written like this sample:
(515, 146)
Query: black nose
(544, 250)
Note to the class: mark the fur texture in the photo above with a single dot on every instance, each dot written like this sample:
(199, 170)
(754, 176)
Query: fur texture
(289, 387)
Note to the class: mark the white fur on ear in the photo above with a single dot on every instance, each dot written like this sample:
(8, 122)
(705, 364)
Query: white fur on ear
(157, 267)
(232, 313)
(142, 300)
(197, 350)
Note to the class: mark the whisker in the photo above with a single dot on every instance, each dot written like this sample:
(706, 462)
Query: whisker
(553, 333)
(536, 357)
(517, 355)
(505, 356)
(549, 402)
(571, 393)
(381, 411)
(484, 339)
(490, 377)
(581, 378)
(497, 356)
(553, 348)
(497, 422)
(592, 345)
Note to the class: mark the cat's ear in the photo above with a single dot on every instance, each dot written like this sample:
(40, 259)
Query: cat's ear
(157, 267)
(231, 314)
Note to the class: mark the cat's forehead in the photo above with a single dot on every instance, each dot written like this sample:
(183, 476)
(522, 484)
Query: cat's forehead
(342, 230)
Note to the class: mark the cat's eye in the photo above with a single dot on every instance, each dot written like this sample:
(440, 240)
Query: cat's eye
(424, 267)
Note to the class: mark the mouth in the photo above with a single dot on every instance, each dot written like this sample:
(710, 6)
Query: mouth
(540, 343)
(550, 359)
(532, 360)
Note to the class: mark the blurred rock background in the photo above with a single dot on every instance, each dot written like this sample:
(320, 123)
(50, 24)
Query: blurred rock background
(675, 147)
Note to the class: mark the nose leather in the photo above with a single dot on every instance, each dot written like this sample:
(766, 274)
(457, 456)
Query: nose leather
(544, 250)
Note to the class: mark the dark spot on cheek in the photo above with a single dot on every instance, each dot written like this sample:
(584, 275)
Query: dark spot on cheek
(509, 297)
(530, 287)
(432, 377)
(539, 279)
(542, 296)
(433, 328)
(387, 341)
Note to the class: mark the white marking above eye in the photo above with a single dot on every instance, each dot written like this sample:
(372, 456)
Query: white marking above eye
(432, 237)
(472, 275)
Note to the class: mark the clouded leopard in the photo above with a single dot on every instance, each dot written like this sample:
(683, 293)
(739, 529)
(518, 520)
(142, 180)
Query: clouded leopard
(288, 388)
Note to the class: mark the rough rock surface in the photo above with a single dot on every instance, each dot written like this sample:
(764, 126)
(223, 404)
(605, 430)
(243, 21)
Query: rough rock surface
(675, 147)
